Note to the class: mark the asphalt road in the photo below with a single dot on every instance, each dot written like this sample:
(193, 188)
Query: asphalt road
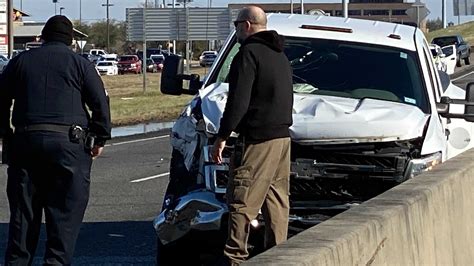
(117, 227)
(463, 80)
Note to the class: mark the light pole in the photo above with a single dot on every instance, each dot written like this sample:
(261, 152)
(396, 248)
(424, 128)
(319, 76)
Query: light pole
(61, 10)
(108, 22)
(80, 12)
(144, 56)
(55, 7)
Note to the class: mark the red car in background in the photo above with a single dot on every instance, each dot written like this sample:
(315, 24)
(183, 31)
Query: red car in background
(129, 63)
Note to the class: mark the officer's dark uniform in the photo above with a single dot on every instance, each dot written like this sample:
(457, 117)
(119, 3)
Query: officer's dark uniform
(49, 165)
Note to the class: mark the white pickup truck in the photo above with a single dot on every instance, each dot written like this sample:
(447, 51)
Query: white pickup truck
(370, 111)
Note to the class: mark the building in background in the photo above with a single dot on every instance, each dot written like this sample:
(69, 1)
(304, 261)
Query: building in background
(381, 10)
(26, 32)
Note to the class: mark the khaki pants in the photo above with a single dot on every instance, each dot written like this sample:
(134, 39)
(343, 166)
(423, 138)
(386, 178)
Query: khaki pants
(260, 182)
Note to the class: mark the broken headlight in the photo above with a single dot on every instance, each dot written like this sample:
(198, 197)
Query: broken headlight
(418, 166)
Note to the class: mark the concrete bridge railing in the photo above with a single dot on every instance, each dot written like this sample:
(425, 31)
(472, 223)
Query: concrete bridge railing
(428, 220)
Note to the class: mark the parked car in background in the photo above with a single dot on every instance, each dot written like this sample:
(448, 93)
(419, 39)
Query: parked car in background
(462, 47)
(159, 60)
(207, 58)
(152, 52)
(450, 57)
(97, 52)
(110, 58)
(151, 66)
(107, 67)
(439, 58)
(129, 64)
(88, 56)
(3, 62)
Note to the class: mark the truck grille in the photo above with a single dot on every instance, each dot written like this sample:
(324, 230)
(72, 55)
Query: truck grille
(313, 163)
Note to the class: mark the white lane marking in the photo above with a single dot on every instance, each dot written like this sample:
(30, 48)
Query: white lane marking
(463, 76)
(134, 141)
(149, 178)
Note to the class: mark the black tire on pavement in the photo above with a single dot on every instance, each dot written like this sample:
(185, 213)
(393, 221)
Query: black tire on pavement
(176, 253)
(467, 60)
(458, 61)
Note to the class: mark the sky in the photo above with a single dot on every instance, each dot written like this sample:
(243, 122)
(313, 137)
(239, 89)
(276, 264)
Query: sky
(92, 10)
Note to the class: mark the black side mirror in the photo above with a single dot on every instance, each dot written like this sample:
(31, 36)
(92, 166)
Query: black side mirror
(172, 77)
(469, 107)
(171, 80)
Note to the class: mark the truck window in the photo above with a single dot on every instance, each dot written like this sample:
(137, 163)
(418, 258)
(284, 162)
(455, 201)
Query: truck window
(224, 70)
(346, 69)
(430, 66)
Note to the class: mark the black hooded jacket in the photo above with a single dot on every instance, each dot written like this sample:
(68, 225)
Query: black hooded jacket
(260, 100)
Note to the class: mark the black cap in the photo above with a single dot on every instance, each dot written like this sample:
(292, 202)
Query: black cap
(58, 29)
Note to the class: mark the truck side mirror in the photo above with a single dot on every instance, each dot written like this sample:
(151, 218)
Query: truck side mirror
(171, 80)
(469, 107)
(172, 77)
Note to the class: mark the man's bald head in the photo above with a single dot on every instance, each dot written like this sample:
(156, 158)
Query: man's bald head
(255, 15)
(251, 19)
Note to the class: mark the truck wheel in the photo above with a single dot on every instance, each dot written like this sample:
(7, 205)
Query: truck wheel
(458, 62)
(467, 60)
(176, 253)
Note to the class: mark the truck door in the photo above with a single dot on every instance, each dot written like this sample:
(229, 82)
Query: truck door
(450, 57)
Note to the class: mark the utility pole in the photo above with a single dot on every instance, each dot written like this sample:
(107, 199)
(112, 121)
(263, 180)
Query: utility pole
(144, 67)
(174, 41)
(345, 9)
(459, 12)
(80, 12)
(443, 13)
(10, 27)
(108, 22)
(55, 7)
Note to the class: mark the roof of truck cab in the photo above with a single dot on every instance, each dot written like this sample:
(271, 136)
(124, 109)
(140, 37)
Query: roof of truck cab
(344, 29)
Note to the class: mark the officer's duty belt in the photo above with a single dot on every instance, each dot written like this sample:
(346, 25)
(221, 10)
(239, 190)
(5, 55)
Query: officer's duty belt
(43, 127)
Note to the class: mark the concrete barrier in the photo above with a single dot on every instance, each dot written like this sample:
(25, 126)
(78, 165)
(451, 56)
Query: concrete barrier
(428, 220)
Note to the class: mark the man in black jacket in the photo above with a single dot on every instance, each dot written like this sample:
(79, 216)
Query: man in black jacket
(52, 147)
(259, 108)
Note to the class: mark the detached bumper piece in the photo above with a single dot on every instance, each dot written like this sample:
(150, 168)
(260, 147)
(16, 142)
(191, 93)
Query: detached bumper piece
(198, 210)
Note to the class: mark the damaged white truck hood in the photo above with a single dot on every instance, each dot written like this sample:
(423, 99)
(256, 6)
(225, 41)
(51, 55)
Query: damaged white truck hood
(329, 119)
(323, 119)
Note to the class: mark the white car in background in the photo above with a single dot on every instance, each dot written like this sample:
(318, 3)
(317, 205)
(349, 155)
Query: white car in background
(450, 53)
(107, 67)
(444, 58)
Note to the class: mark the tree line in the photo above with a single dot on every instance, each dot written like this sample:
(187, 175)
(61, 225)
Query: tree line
(97, 38)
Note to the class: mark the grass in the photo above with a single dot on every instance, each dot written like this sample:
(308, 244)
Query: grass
(130, 105)
(466, 30)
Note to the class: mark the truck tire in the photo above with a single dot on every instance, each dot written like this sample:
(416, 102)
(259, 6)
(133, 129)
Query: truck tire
(176, 253)
(467, 60)
(458, 61)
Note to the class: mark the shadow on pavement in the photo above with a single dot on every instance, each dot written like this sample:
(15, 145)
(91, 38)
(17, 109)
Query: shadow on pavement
(104, 243)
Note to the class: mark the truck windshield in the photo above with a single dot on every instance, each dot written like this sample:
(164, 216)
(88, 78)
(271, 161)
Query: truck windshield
(351, 70)
(443, 41)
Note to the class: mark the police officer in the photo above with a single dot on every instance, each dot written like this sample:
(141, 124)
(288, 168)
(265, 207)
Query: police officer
(53, 144)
